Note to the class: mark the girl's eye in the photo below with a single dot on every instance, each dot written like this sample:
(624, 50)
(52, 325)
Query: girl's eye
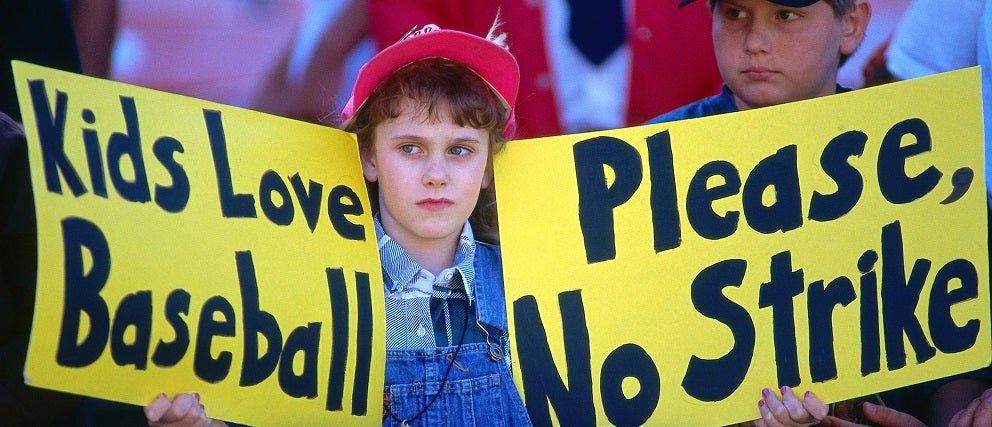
(408, 148)
(458, 151)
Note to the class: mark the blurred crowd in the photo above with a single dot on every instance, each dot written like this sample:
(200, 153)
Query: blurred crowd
(298, 59)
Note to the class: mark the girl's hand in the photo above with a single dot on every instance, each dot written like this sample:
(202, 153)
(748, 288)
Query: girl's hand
(183, 411)
(789, 410)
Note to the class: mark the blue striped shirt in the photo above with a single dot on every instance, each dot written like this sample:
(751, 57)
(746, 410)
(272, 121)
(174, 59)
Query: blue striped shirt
(424, 310)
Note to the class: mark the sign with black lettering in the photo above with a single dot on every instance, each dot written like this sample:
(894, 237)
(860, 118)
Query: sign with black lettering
(189, 246)
(666, 274)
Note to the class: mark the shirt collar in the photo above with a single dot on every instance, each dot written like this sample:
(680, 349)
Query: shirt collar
(402, 269)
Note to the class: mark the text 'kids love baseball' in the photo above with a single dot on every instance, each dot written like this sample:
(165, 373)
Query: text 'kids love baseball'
(186, 245)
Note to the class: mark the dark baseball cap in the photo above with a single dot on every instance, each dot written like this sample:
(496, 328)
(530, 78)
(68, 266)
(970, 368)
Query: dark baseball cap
(790, 3)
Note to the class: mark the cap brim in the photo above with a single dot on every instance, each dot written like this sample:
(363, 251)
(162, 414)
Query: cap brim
(490, 61)
(790, 3)
(794, 3)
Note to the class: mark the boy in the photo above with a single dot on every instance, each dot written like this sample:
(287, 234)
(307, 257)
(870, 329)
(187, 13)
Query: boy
(771, 52)
(429, 112)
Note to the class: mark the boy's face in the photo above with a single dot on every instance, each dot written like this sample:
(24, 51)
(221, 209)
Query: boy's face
(429, 175)
(771, 54)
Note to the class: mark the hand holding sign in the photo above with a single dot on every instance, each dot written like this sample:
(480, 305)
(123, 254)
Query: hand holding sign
(789, 410)
(185, 410)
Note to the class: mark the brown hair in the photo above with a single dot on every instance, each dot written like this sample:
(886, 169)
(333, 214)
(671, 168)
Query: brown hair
(432, 82)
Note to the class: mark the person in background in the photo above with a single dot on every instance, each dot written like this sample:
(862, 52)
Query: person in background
(40, 32)
(95, 25)
(35, 31)
(921, 47)
(586, 64)
(933, 38)
(218, 51)
(20, 404)
(319, 64)
(772, 52)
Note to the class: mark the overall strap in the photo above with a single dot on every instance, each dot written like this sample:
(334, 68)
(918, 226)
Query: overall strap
(490, 295)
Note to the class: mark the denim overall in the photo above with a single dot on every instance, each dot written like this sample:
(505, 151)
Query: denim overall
(479, 390)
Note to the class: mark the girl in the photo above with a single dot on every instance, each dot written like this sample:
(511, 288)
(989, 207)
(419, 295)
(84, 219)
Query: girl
(429, 112)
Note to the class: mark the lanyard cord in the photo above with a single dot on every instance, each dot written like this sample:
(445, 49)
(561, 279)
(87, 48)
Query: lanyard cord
(406, 422)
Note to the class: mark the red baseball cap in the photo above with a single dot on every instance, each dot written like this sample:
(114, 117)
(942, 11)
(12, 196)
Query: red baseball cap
(492, 62)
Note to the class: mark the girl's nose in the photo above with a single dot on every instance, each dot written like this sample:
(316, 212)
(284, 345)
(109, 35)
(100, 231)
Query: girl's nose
(435, 172)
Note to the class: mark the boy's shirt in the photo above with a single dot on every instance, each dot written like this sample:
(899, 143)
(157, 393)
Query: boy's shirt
(423, 310)
(717, 104)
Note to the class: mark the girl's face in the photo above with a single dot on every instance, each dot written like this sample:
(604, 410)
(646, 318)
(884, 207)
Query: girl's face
(429, 175)
(771, 54)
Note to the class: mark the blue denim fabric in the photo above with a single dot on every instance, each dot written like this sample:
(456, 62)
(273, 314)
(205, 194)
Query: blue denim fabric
(721, 103)
(479, 391)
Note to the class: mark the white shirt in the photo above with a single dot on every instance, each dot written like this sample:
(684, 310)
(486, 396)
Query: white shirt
(589, 97)
(934, 36)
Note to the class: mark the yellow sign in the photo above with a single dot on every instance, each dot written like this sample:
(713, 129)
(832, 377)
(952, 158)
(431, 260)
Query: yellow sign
(665, 274)
(186, 246)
